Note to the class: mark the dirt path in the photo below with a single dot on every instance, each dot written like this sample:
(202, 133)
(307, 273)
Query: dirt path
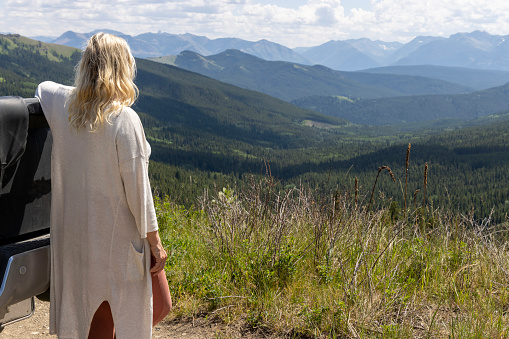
(36, 327)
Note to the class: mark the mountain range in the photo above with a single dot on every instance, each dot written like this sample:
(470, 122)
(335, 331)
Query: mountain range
(478, 50)
(290, 81)
(159, 44)
(360, 97)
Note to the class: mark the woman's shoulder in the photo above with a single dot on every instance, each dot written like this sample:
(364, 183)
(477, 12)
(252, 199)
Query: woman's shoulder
(128, 122)
(131, 140)
(48, 91)
(129, 113)
(127, 116)
(52, 97)
(50, 86)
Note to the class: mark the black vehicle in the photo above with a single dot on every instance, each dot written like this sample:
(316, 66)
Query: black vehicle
(25, 199)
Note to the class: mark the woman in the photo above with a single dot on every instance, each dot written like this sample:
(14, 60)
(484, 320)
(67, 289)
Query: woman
(103, 224)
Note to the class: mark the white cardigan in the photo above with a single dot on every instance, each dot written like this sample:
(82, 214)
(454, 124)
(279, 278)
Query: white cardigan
(101, 211)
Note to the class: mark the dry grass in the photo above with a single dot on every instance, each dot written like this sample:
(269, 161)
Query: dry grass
(302, 264)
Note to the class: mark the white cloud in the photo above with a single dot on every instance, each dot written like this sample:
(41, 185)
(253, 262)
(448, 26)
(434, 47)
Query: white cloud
(307, 23)
(407, 17)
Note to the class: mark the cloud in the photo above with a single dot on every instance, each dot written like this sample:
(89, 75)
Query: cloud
(432, 17)
(326, 16)
(305, 23)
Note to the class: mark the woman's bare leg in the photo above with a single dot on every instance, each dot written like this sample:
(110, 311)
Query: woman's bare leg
(102, 324)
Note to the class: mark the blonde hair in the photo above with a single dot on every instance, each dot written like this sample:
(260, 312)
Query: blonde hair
(104, 82)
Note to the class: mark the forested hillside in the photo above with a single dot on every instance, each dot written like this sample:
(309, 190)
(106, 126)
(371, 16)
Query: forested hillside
(186, 101)
(466, 170)
(412, 108)
(207, 134)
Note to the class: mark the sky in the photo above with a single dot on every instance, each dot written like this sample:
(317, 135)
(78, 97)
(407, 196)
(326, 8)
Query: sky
(293, 23)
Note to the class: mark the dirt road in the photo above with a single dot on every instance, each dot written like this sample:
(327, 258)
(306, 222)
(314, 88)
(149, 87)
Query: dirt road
(36, 327)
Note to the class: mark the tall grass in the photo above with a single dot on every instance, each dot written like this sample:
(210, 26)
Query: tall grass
(299, 263)
(407, 164)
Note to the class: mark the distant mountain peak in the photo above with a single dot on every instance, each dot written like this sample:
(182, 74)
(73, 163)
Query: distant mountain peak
(475, 34)
(107, 31)
(163, 44)
(478, 49)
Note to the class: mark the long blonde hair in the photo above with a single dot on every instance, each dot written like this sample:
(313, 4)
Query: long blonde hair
(104, 82)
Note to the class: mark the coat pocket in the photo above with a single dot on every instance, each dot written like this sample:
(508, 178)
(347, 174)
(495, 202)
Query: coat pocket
(135, 263)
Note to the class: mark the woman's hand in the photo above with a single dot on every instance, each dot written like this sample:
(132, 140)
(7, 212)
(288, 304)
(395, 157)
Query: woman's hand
(157, 251)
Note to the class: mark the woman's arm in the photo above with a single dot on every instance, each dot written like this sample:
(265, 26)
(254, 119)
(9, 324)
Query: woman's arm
(157, 250)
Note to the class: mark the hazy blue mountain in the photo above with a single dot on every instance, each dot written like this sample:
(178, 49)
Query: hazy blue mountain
(273, 52)
(478, 50)
(289, 81)
(42, 38)
(72, 39)
(165, 43)
(356, 54)
(411, 47)
(160, 44)
(477, 79)
(377, 50)
(472, 50)
(340, 55)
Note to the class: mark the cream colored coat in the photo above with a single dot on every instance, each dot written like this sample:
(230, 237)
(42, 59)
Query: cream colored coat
(101, 211)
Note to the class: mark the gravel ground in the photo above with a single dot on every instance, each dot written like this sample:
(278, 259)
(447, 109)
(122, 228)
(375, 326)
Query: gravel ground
(37, 327)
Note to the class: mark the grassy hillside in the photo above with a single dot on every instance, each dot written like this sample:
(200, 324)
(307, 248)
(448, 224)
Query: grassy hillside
(412, 108)
(24, 63)
(52, 52)
(289, 81)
